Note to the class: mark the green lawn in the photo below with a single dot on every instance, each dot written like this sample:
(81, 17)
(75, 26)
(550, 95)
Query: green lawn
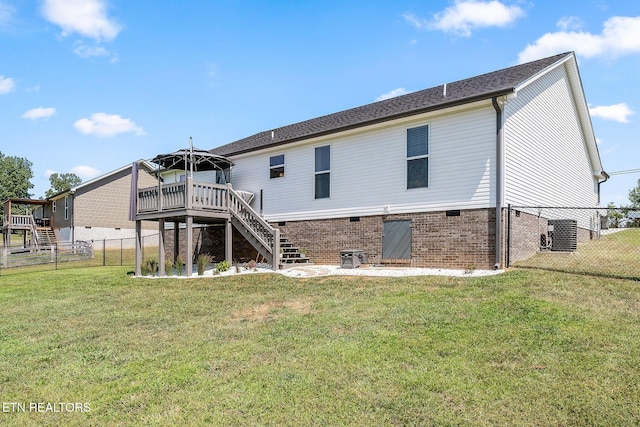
(614, 255)
(522, 348)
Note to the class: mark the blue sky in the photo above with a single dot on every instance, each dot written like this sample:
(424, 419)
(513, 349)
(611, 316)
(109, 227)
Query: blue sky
(87, 86)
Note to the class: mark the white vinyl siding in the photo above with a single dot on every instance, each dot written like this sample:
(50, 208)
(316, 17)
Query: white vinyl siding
(546, 159)
(368, 170)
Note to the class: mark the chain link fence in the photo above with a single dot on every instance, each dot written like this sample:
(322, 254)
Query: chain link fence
(592, 241)
(80, 254)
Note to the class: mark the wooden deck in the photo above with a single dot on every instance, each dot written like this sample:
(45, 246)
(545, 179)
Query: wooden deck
(182, 199)
(193, 202)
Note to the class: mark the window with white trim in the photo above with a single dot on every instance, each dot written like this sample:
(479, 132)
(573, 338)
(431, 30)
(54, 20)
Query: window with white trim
(66, 207)
(418, 157)
(322, 176)
(276, 166)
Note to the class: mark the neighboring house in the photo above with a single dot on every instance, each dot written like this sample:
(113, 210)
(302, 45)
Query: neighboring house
(99, 208)
(424, 179)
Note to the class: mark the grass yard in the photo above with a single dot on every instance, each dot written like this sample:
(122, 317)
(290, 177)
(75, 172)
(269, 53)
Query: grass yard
(523, 348)
(614, 255)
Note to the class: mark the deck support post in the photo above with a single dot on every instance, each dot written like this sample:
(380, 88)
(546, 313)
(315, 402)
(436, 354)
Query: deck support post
(138, 248)
(176, 241)
(189, 239)
(161, 252)
(228, 242)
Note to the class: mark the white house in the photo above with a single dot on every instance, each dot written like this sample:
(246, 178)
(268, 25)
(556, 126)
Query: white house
(423, 179)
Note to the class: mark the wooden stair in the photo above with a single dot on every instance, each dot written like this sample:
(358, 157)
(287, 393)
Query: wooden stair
(275, 248)
(290, 255)
(46, 236)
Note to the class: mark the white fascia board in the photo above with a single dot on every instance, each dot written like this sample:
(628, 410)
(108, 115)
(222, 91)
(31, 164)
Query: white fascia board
(373, 211)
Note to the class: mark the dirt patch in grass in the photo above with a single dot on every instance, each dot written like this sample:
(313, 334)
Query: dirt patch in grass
(272, 310)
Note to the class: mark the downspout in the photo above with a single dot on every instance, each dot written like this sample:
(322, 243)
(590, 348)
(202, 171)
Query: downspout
(499, 178)
(606, 178)
(72, 208)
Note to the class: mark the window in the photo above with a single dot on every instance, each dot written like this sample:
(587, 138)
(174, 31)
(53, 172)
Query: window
(276, 166)
(53, 206)
(66, 207)
(418, 157)
(322, 172)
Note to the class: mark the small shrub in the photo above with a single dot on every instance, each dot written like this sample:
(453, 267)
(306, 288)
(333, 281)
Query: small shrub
(222, 266)
(202, 261)
(179, 266)
(149, 267)
(153, 266)
(252, 265)
(168, 266)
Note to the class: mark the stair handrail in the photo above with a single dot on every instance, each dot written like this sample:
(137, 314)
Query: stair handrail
(34, 230)
(268, 236)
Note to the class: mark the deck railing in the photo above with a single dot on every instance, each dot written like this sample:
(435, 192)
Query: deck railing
(259, 228)
(23, 222)
(183, 195)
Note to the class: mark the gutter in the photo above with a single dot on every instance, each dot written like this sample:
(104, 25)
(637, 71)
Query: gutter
(499, 178)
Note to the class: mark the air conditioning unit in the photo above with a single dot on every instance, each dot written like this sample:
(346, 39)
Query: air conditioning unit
(564, 237)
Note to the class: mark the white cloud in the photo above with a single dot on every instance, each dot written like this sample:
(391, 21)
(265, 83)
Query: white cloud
(467, 15)
(617, 112)
(392, 94)
(84, 51)
(419, 23)
(39, 113)
(107, 125)
(569, 23)
(85, 172)
(6, 13)
(620, 36)
(6, 85)
(85, 17)
(49, 172)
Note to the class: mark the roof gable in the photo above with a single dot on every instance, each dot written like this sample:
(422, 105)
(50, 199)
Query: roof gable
(143, 163)
(485, 86)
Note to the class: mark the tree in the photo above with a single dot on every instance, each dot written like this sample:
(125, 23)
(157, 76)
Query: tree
(15, 179)
(634, 196)
(62, 182)
(615, 215)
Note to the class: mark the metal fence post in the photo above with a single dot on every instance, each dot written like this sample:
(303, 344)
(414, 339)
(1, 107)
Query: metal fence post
(55, 249)
(121, 251)
(104, 252)
(508, 235)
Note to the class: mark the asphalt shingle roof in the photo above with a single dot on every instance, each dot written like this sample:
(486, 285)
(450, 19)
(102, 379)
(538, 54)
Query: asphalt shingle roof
(484, 86)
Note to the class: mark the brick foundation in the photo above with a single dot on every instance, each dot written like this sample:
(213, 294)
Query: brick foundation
(210, 240)
(437, 240)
